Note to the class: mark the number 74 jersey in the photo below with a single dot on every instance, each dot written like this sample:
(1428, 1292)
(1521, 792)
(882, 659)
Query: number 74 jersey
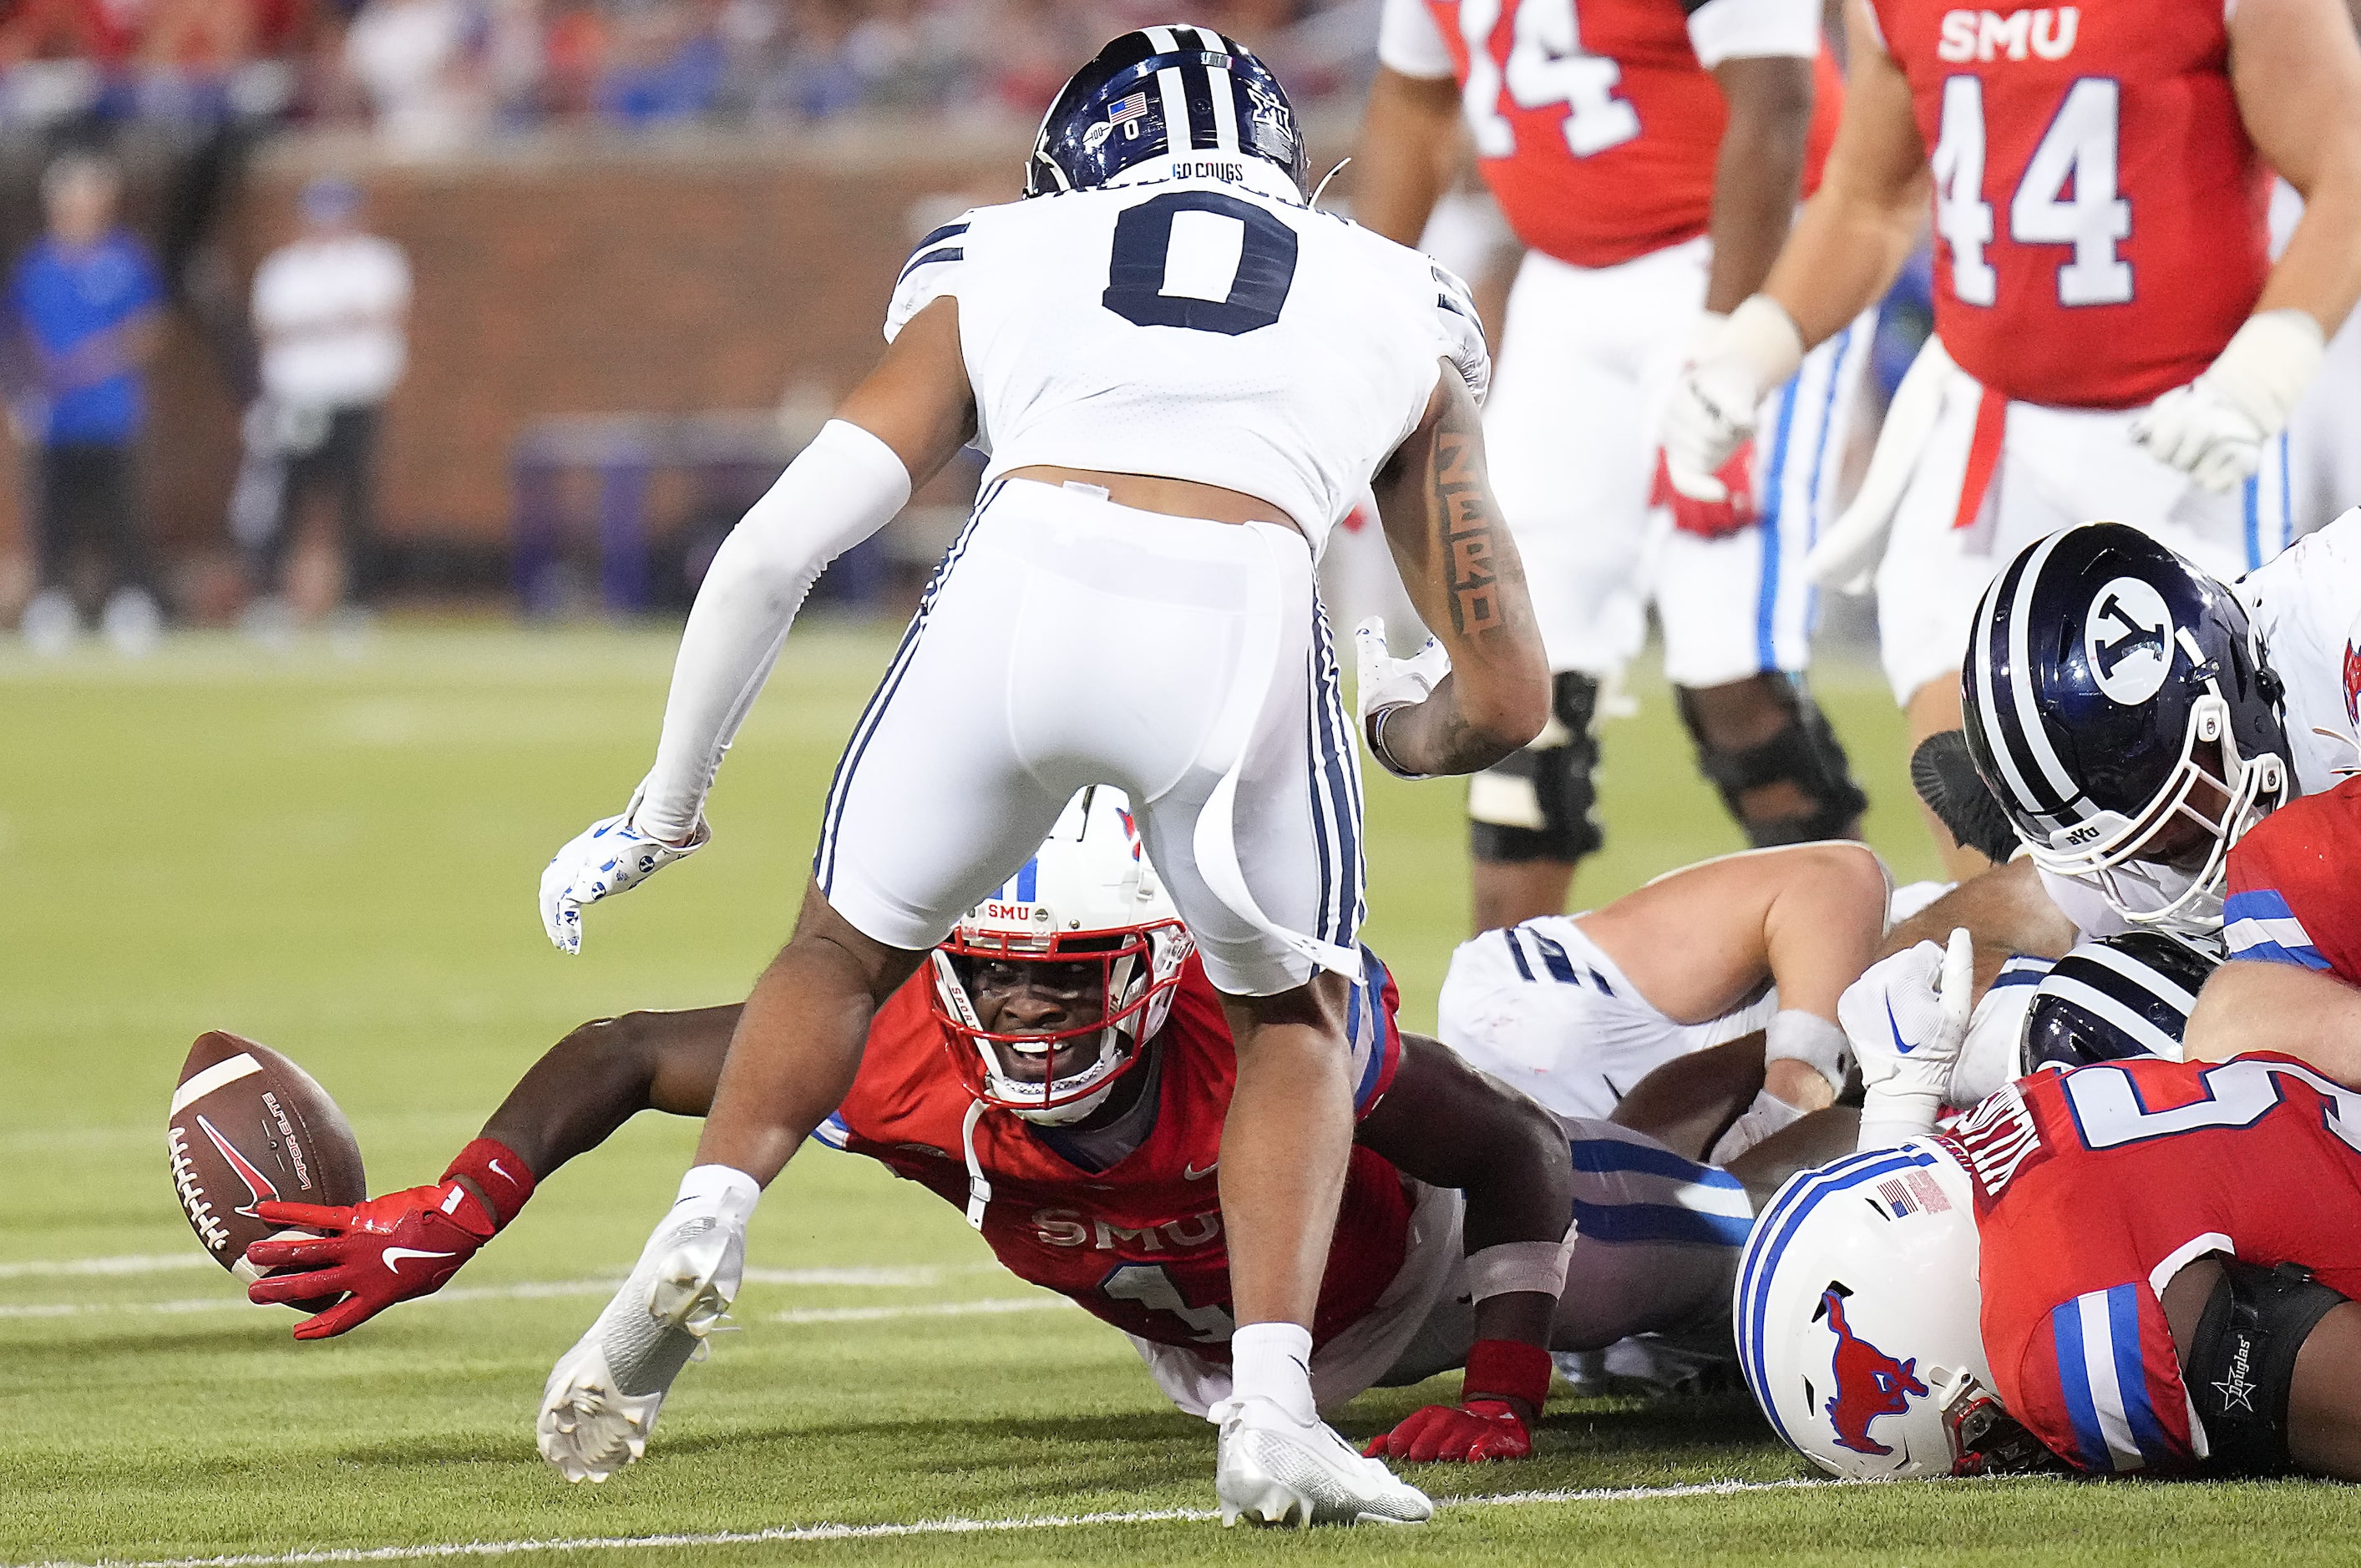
(2093, 1188)
(2100, 215)
(1209, 327)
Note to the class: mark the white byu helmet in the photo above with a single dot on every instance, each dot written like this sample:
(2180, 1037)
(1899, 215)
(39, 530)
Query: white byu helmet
(1087, 896)
(1856, 1312)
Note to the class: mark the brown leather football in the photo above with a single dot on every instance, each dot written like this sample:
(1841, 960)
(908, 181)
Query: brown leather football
(248, 1126)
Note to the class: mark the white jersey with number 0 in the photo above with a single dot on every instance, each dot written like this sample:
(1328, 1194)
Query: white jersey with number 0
(1210, 328)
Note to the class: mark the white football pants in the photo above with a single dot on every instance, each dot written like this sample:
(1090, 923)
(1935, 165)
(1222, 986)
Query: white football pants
(1066, 640)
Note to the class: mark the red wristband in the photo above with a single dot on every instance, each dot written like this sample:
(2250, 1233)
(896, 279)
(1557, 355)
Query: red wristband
(499, 1172)
(1507, 1369)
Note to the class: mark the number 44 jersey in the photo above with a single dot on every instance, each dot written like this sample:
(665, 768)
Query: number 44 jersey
(1210, 327)
(2094, 1187)
(2101, 214)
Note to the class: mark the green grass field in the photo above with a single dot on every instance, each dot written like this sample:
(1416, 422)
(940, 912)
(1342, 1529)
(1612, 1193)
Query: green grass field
(338, 858)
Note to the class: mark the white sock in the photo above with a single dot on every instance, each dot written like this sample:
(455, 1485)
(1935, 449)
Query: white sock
(1273, 1361)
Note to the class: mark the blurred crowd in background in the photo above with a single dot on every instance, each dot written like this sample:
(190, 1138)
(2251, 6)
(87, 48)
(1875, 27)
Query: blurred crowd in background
(433, 76)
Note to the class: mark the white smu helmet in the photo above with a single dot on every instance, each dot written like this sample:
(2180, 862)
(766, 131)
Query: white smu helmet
(1088, 895)
(1857, 1319)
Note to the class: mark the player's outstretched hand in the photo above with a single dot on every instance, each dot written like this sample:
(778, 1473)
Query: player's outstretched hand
(1468, 1434)
(1908, 1018)
(395, 1248)
(609, 857)
(1729, 506)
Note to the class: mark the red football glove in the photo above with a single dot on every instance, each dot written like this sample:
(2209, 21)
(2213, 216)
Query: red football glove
(1712, 520)
(390, 1249)
(1468, 1433)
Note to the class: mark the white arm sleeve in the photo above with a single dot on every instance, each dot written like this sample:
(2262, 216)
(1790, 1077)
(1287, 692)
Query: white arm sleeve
(840, 489)
(1753, 30)
(1409, 42)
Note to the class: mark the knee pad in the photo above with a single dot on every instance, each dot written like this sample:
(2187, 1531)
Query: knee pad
(1805, 752)
(2244, 1359)
(1535, 805)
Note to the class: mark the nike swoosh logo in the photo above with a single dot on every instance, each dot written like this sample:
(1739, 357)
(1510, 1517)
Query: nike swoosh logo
(1904, 1047)
(394, 1255)
(1190, 1173)
(496, 1166)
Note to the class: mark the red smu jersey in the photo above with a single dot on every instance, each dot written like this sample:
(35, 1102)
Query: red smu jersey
(2099, 212)
(1595, 124)
(1140, 1243)
(2094, 1186)
(2290, 888)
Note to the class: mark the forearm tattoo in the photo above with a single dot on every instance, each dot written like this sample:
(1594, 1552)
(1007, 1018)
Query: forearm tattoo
(1465, 517)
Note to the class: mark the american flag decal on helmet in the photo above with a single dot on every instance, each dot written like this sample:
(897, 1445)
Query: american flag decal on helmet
(1129, 108)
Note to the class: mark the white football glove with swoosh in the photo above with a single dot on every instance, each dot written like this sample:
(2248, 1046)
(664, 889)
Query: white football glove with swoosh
(1908, 1018)
(609, 857)
(1385, 682)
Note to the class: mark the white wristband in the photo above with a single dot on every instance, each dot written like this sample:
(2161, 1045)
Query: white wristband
(2265, 367)
(1762, 336)
(1512, 1267)
(1807, 1037)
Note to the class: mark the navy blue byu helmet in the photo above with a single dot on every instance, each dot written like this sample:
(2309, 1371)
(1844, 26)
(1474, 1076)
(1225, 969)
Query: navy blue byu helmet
(1157, 94)
(2105, 681)
(2114, 998)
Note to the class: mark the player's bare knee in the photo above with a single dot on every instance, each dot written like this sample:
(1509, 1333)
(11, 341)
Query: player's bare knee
(1318, 1007)
(1850, 872)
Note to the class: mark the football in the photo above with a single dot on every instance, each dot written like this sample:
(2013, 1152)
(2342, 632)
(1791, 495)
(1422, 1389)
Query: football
(248, 1126)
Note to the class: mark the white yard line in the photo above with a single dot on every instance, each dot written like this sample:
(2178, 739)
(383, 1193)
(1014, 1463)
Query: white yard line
(879, 1532)
(129, 1262)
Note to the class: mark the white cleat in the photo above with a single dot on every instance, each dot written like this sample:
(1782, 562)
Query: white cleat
(1277, 1471)
(602, 1397)
(587, 1428)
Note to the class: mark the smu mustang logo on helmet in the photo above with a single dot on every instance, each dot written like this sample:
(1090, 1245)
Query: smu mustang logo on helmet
(1870, 1383)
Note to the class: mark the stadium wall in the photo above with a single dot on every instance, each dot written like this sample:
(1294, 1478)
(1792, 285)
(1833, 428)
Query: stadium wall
(561, 278)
